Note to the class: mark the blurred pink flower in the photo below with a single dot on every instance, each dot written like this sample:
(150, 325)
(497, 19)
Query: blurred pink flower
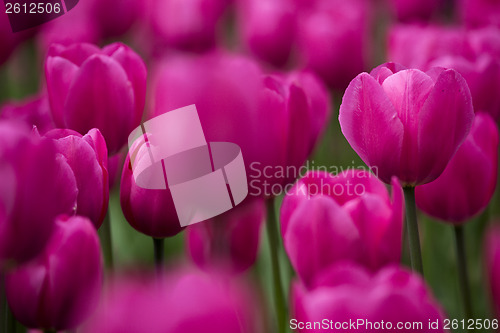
(61, 287)
(347, 293)
(414, 10)
(151, 212)
(184, 301)
(33, 111)
(407, 123)
(275, 119)
(230, 241)
(476, 13)
(88, 158)
(333, 40)
(349, 217)
(467, 184)
(89, 87)
(36, 185)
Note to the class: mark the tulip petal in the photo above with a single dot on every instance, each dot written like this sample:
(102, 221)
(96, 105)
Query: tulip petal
(444, 122)
(371, 125)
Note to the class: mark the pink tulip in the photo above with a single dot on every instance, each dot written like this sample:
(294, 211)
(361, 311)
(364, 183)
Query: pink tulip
(476, 13)
(115, 17)
(415, 46)
(151, 212)
(36, 185)
(456, 195)
(88, 158)
(326, 219)
(34, 111)
(483, 78)
(89, 87)
(183, 301)
(333, 40)
(60, 288)
(234, 98)
(407, 123)
(347, 293)
(415, 10)
(8, 39)
(493, 266)
(186, 24)
(229, 241)
(268, 28)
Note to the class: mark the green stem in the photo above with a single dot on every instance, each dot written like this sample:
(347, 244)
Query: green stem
(412, 227)
(279, 297)
(463, 277)
(106, 241)
(159, 248)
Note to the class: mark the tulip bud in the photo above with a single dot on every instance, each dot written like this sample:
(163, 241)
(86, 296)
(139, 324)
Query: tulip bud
(347, 293)
(349, 217)
(195, 302)
(407, 124)
(88, 158)
(229, 241)
(36, 185)
(60, 288)
(91, 88)
(151, 212)
(456, 196)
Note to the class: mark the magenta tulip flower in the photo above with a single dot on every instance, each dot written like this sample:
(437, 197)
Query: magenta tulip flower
(151, 212)
(347, 294)
(194, 301)
(61, 287)
(89, 87)
(483, 78)
(34, 111)
(230, 241)
(493, 266)
(186, 24)
(407, 123)
(36, 185)
(233, 98)
(327, 219)
(478, 13)
(415, 46)
(88, 158)
(455, 196)
(333, 40)
(115, 17)
(268, 28)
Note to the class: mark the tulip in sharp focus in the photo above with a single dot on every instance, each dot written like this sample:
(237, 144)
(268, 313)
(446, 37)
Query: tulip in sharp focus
(467, 184)
(183, 301)
(407, 123)
(88, 158)
(347, 293)
(92, 88)
(36, 185)
(327, 219)
(234, 100)
(229, 241)
(60, 288)
(493, 266)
